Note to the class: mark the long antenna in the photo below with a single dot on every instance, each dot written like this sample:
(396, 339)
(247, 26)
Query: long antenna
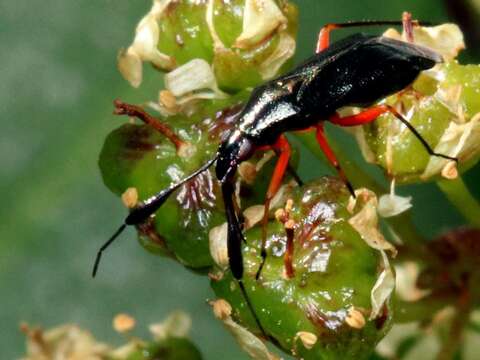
(141, 213)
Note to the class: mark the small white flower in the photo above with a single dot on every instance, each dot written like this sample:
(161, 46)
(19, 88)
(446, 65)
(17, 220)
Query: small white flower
(391, 204)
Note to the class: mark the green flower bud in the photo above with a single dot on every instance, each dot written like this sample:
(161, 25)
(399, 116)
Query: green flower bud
(443, 107)
(170, 341)
(444, 112)
(332, 301)
(246, 42)
(169, 349)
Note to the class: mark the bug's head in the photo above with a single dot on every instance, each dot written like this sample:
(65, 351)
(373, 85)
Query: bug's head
(235, 149)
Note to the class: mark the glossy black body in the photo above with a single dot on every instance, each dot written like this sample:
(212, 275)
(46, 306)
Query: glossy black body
(356, 71)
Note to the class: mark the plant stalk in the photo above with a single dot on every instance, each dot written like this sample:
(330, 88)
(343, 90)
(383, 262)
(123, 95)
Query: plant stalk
(459, 196)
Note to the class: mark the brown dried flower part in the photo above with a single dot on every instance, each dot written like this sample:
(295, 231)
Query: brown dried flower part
(63, 342)
(308, 339)
(130, 197)
(355, 318)
(450, 171)
(455, 269)
(123, 323)
(221, 309)
(168, 100)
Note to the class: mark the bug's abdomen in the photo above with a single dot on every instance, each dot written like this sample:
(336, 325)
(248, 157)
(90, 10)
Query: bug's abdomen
(368, 71)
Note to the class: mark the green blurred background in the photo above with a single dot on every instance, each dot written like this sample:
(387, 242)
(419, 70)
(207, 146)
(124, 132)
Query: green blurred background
(58, 78)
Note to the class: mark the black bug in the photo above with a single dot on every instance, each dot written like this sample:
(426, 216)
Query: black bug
(356, 71)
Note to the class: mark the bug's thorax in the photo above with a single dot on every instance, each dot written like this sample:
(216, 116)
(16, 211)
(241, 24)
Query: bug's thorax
(270, 111)
(236, 148)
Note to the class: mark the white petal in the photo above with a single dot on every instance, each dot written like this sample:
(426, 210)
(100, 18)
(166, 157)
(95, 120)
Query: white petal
(284, 51)
(365, 221)
(383, 288)
(130, 66)
(218, 245)
(249, 343)
(391, 204)
(260, 19)
(446, 39)
(193, 76)
(459, 140)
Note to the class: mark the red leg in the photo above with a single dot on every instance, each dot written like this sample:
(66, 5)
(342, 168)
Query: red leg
(361, 118)
(324, 36)
(327, 150)
(283, 148)
(371, 114)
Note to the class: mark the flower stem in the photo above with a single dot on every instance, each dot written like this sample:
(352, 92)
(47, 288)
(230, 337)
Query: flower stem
(459, 196)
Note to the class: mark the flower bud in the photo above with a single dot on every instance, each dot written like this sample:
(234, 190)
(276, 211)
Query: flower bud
(245, 41)
(336, 303)
(443, 107)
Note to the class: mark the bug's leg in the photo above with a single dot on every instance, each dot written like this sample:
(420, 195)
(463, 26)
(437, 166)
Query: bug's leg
(234, 232)
(417, 135)
(327, 150)
(324, 36)
(234, 248)
(364, 117)
(283, 148)
(293, 173)
(371, 114)
(122, 108)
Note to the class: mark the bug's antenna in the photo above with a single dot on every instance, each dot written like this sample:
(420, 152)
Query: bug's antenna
(142, 212)
(104, 246)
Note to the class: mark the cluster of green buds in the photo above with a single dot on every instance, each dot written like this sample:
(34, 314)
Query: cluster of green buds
(230, 45)
(443, 107)
(169, 341)
(325, 290)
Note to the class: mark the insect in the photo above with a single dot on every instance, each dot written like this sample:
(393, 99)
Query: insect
(356, 71)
